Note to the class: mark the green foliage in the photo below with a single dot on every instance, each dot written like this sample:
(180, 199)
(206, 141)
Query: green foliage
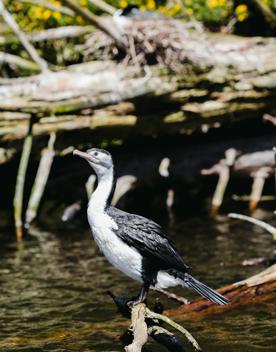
(34, 17)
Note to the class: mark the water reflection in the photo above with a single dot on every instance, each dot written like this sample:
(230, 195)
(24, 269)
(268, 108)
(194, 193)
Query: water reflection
(53, 290)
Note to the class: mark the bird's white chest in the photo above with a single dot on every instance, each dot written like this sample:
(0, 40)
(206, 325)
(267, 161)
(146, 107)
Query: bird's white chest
(125, 258)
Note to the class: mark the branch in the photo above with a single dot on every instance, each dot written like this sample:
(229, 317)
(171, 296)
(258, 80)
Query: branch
(257, 288)
(172, 295)
(23, 38)
(139, 327)
(176, 326)
(269, 228)
(111, 31)
(146, 322)
(59, 33)
(20, 181)
(14, 60)
(270, 118)
(103, 6)
(44, 168)
(267, 13)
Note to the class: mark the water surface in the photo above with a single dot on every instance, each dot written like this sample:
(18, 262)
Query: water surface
(53, 290)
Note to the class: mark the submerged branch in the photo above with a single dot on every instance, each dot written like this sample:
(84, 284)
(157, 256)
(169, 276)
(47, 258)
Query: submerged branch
(269, 228)
(44, 168)
(20, 181)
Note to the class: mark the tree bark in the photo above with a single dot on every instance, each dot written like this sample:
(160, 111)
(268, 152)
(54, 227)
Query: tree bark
(259, 287)
(232, 81)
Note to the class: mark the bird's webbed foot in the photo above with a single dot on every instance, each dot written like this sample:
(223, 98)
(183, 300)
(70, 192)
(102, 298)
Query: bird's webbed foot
(141, 298)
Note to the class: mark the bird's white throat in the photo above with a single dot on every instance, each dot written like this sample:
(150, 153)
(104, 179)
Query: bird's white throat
(99, 198)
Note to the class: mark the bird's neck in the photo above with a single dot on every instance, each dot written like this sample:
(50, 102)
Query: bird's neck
(102, 196)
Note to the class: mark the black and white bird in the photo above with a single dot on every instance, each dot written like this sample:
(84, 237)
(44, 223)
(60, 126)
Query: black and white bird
(134, 244)
(125, 17)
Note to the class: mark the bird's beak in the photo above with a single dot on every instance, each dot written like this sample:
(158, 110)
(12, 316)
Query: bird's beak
(83, 155)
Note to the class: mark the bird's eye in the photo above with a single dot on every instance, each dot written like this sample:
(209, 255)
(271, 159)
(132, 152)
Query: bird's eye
(96, 154)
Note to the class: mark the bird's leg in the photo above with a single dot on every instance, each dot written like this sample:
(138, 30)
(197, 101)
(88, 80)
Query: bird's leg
(141, 297)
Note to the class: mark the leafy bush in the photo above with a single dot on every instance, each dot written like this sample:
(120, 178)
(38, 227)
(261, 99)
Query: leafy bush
(33, 17)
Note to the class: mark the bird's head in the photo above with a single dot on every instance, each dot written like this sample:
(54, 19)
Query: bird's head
(100, 160)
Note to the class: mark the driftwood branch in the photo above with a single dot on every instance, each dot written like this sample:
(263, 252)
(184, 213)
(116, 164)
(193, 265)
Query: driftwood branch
(259, 287)
(108, 28)
(176, 326)
(139, 328)
(13, 60)
(103, 6)
(23, 38)
(44, 168)
(145, 322)
(269, 228)
(20, 181)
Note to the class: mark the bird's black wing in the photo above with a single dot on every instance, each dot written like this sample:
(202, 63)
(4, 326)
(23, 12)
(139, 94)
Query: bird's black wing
(147, 237)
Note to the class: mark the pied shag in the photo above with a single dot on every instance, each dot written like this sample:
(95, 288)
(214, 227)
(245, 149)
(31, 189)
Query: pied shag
(124, 17)
(134, 244)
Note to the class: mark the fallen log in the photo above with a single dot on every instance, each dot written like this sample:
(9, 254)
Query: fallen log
(260, 287)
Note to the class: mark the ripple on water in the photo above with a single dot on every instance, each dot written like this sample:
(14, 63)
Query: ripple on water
(53, 291)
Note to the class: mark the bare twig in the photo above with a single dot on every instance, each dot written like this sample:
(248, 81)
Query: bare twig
(168, 321)
(223, 180)
(98, 22)
(40, 182)
(270, 118)
(259, 178)
(20, 181)
(269, 228)
(124, 184)
(13, 60)
(173, 296)
(222, 168)
(246, 198)
(23, 38)
(103, 6)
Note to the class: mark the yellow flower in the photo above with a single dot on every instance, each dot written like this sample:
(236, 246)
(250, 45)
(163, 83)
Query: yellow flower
(212, 3)
(241, 9)
(177, 7)
(56, 3)
(123, 4)
(151, 5)
(57, 15)
(241, 12)
(37, 12)
(79, 20)
(47, 14)
(190, 11)
(18, 6)
(83, 2)
(162, 9)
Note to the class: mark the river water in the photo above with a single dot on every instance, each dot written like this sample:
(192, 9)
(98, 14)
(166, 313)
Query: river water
(53, 289)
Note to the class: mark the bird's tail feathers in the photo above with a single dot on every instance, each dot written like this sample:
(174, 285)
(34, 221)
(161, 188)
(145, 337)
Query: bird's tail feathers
(204, 290)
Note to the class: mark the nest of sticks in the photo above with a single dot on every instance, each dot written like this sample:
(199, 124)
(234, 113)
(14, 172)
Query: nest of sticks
(159, 41)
